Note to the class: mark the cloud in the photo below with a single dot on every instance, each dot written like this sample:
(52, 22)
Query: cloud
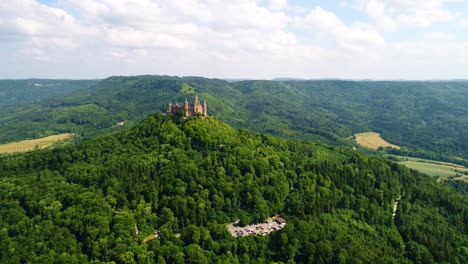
(390, 14)
(184, 23)
(238, 38)
(40, 31)
(378, 11)
(463, 22)
(29, 18)
(146, 24)
(278, 4)
(356, 37)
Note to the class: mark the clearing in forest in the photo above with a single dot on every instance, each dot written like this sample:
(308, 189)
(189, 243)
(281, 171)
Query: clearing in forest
(373, 140)
(462, 178)
(32, 144)
(434, 168)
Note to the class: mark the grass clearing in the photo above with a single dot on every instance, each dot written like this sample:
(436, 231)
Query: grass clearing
(187, 89)
(462, 178)
(373, 140)
(433, 167)
(32, 144)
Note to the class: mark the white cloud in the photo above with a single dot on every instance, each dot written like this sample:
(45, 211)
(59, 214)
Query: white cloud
(390, 14)
(356, 37)
(39, 31)
(463, 22)
(238, 38)
(184, 23)
(378, 11)
(278, 4)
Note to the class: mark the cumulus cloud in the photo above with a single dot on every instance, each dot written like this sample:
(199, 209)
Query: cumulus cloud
(390, 14)
(238, 38)
(186, 23)
(381, 14)
(146, 24)
(355, 37)
(38, 30)
(278, 4)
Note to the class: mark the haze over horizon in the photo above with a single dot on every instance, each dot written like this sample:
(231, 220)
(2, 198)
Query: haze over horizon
(263, 39)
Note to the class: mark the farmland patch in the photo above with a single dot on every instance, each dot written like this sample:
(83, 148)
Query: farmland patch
(373, 140)
(32, 144)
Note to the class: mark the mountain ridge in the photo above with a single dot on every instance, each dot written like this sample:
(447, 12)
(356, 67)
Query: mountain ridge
(426, 118)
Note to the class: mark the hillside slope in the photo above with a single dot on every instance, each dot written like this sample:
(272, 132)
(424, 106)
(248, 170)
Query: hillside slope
(428, 119)
(17, 92)
(81, 203)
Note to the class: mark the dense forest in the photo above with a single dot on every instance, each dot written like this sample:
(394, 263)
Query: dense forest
(191, 177)
(429, 119)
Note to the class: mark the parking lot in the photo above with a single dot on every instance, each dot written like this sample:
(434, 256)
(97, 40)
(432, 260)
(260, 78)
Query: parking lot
(264, 228)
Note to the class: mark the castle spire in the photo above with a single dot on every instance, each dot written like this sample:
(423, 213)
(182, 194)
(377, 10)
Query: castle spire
(205, 108)
(186, 108)
(169, 107)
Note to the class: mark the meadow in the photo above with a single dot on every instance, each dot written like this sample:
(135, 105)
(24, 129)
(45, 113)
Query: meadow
(433, 168)
(373, 140)
(32, 144)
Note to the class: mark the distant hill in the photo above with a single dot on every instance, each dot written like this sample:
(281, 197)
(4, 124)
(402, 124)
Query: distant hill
(14, 92)
(427, 119)
(186, 179)
(288, 79)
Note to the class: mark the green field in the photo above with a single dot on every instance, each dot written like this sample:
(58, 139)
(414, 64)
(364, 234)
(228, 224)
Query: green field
(431, 167)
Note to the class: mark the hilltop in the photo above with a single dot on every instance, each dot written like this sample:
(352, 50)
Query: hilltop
(80, 203)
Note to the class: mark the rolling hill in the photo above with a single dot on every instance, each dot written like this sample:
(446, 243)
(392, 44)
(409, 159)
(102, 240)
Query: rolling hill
(427, 119)
(17, 92)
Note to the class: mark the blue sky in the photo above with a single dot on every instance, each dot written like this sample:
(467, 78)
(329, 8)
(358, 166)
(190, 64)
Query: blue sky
(263, 39)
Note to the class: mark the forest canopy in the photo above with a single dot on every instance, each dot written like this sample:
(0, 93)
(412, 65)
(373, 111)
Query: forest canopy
(80, 203)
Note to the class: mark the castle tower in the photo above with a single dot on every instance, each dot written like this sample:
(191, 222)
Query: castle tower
(204, 108)
(196, 105)
(169, 107)
(186, 108)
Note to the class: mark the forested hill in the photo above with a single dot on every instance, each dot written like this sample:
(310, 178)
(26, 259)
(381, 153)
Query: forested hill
(18, 92)
(190, 177)
(429, 119)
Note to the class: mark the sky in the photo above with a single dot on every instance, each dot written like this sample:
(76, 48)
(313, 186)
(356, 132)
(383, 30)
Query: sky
(255, 39)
